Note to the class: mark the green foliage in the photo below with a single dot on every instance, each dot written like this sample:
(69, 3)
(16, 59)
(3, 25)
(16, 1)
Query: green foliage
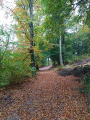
(13, 68)
(52, 19)
(60, 15)
(54, 54)
(14, 71)
(85, 86)
(33, 71)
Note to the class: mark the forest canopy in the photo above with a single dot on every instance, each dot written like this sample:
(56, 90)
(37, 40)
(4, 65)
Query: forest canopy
(48, 32)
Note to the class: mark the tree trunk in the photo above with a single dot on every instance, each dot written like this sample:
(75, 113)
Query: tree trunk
(0, 60)
(63, 42)
(60, 53)
(31, 33)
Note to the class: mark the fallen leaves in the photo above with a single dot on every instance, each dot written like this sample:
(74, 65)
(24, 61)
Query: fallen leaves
(50, 97)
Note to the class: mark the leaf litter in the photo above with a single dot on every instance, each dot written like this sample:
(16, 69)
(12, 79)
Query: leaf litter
(47, 97)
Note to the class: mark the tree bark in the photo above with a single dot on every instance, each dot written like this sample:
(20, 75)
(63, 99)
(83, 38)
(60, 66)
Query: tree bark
(31, 33)
(63, 43)
(60, 51)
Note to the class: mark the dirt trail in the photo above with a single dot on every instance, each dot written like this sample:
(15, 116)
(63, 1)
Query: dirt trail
(45, 68)
(48, 97)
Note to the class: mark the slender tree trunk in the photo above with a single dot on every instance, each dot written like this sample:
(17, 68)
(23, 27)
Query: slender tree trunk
(31, 33)
(0, 60)
(63, 42)
(60, 53)
(48, 60)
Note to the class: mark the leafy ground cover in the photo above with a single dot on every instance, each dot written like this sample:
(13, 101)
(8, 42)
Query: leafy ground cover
(47, 97)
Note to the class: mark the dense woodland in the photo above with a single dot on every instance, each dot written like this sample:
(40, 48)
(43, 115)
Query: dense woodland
(48, 32)
(45, 60)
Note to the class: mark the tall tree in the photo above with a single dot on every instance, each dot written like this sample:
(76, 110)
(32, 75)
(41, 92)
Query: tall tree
(56, 14)
(31, 2)
(24, 12)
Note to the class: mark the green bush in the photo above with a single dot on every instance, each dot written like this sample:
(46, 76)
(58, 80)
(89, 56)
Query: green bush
(85, 86)
(14, 72)
(33, 71)
(13, 68)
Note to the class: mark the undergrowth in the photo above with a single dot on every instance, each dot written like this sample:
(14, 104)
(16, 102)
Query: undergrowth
(73, 59)
(14, 72)
(85, 86)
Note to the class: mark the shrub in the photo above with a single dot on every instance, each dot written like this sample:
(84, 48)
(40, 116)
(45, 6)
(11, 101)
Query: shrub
(85, 86)
(15, 72)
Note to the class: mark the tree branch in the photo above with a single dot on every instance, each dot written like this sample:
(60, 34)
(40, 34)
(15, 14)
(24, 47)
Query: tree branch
(18, 20)
(25, 57)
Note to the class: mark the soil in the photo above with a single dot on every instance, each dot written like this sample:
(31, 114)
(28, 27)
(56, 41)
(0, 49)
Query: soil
(49, 96)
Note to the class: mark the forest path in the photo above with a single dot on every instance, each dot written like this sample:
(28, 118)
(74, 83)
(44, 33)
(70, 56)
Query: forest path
(48, 97)
(45, 68)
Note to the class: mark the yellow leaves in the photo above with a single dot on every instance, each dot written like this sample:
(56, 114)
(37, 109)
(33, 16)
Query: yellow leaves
(84, 29)
(23, 22)
(21, 14)
(63, 24)
(46, 43)
(22, 2)
(18, 10)
(38, 54)
(37, 50)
